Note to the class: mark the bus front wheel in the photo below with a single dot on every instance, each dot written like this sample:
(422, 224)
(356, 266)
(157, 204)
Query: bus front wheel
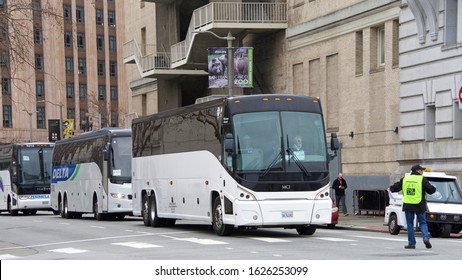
(10, 208)
(219, 226)
(154, 220)
(98, 215)
(65, 212)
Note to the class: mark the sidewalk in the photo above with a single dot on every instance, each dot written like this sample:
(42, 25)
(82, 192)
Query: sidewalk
(362, 222)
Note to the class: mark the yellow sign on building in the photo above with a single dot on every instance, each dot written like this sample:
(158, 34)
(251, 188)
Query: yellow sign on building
(68, 128)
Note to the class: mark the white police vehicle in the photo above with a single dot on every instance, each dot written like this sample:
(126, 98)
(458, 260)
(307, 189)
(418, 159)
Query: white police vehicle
(444, 214)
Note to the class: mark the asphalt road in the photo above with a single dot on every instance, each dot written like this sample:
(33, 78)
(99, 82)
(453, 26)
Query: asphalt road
(48, 237)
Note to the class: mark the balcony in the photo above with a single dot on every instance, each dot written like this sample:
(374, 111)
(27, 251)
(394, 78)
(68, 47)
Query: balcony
(219, 17)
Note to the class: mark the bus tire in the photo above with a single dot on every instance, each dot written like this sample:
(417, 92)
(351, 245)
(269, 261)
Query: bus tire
(219, 226)
(145, 210)
(306, 229)
(10, 208)
(61, 207)
(98, 215)
(66, 214)
(155, 221)
(393, 227)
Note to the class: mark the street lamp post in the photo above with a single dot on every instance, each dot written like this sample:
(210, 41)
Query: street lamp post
(230, 39)
(30, 123)
(60, 104)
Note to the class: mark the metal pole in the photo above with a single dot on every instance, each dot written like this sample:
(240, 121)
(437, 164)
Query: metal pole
(60, 119)
(30, 127)
(230, 39)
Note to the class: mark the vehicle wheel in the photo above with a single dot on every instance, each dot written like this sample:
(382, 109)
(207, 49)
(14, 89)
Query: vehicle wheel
(32, 212)
(306, 230)
(435, 232)
(65, 213)
(77, 215)
(55, 212)
(154, 220)
(145, 211)
(10, 209)
(120, 217)
(219, 226)
(446, 230)
(61, 208)
(97, 214)
(393, 227)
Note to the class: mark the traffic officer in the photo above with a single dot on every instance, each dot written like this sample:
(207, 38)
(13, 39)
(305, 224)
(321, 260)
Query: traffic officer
(414, 187)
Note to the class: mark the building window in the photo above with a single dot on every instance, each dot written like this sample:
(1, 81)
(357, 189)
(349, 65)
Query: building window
(453, 19)
(359, 52)
(69, 65)
(83, 119)
(2, 4)
(100, 43)
(111, 18)
(80, 14)
(70, 90)
(37, 8)
(83, 91)
(99, 17)
(113, 68)
(430, 123)
(114, 119)
(81, 40)
(40, 88)
(395, 44)
(4, 59)
(67, 13)
(114, 93)
(38, 37)
(6, 86)
(381, 46)
(112, 43)
(68, 39)
(82, 65)
(41, 117)
(71, 113)
(100, 67)
(39, 62)
(101, 92)
(7, 116)
(3, 32)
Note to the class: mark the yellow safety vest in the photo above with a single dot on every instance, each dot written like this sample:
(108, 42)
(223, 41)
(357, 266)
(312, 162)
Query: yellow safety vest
(412, 189)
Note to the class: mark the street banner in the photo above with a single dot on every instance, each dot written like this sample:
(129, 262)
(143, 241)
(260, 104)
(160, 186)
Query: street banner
(68, 128)
(243, 67)
(218, 67)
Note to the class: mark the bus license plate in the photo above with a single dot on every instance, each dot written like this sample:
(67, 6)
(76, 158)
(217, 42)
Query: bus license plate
(287, 214)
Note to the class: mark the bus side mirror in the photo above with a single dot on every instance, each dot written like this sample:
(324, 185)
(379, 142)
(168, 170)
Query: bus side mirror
(334, 144)
(106, 153)
(229, 143)
(14, 179)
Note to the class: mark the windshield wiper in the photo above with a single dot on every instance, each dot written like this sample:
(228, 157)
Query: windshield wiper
(449, 196)
(279, 155)
(297, 161)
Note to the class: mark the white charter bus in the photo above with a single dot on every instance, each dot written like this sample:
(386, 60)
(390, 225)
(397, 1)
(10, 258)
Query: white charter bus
(91, 174)
(25, 177)
(232, 162)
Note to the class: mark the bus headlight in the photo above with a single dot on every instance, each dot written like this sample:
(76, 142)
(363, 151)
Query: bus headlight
(245, 195)
(118, 195)
(456, 218)
(323, 193)
(23, 197)
(443, 217)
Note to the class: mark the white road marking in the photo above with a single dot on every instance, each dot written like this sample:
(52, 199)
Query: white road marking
(270, 239)
(68, 251)
(379, 238)
(97, 227)
(137, 245)
(334, 239)
(8, 257)
(64, 224)
(202, 241)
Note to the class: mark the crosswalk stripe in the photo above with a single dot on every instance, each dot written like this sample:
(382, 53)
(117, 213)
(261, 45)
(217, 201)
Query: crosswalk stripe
(270, 239)
(335, 239)
(137, 245)
(202, 241)
(8, 257)
(68, 251)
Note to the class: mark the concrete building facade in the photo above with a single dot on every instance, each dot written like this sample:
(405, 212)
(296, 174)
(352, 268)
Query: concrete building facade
(73, 70)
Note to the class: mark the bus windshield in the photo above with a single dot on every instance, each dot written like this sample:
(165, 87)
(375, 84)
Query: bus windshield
(122, 157)
(447, 191)
(34, 165)
(290, 141)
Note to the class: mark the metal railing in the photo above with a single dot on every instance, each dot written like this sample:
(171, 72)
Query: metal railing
(215, 12)
(225, 12)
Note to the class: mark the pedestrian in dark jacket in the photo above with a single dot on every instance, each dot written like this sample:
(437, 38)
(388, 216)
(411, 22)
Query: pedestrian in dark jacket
(340, 185)
(414, 187)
